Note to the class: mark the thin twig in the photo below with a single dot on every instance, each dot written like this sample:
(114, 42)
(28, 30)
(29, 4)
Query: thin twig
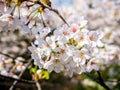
(7, 55)
(54, 10)
(20, 80)
(15, 82)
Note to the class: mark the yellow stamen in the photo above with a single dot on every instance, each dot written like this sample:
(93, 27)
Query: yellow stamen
(81, 38)
(82, 54)
(36, 51)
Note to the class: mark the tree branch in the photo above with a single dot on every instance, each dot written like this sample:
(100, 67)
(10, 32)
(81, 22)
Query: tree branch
(51, 9)
(99, 80)
(56, 11)
(20, 80)
(20, 75)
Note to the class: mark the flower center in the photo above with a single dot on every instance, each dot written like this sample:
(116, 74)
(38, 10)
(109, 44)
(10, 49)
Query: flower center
(65, 33)
(82, 55)
(81, 38)
(92, 38)
(74, 30)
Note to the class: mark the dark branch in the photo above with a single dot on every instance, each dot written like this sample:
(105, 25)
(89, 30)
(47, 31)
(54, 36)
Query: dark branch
(20, 80)
(99, 80)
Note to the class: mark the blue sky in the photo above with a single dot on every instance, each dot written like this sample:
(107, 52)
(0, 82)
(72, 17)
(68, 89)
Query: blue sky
(59, 3)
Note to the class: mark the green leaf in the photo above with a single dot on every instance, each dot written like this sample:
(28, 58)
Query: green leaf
(45, 74)
(33, 69)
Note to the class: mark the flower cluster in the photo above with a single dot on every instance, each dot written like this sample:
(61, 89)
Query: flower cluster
(26, 15)
(66, 49)
(102, 15)
(10, 68)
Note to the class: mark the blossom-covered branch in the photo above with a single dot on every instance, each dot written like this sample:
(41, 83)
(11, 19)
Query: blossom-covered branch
(80, 42)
